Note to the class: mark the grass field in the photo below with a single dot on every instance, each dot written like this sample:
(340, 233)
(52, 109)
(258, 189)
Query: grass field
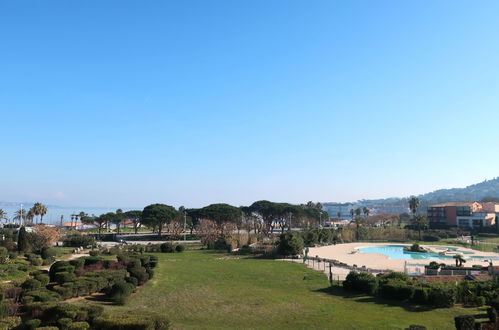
(206, 290)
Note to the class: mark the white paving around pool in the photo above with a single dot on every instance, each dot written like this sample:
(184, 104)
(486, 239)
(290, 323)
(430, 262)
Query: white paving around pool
(349, 254)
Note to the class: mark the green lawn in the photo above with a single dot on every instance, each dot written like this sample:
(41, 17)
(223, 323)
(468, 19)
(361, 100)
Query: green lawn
(206, 290)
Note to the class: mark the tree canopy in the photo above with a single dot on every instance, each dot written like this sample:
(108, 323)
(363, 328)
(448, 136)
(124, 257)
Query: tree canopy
(158, 215)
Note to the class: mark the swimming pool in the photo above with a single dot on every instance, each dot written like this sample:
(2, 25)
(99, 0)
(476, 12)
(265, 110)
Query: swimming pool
(397, 252)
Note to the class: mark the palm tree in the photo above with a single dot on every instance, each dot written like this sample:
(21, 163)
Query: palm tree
(42, 211)
(419, 221)
(414, 203)
(366, 212)
(459, 260)
(30, 215)
(20, 215)
(3, 215)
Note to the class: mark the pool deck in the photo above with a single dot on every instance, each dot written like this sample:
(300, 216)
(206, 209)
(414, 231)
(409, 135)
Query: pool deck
(345, 253)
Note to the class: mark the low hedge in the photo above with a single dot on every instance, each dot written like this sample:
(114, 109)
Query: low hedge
(131, 322)
(361, 282)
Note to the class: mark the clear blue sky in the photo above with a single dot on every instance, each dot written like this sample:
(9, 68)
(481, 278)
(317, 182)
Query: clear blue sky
(125, 103)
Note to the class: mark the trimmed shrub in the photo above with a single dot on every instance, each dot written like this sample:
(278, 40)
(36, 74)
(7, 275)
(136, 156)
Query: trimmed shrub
(77, 240)
(42, 295)
(91, 260)
(396, 289)
(180, 248)
(361, 282)
(77, 263)
(167, 248)
(150, 272)
(43, 278)
(36, 262)
(32, 324)
(94, 311)
(420, 295)
(79, 326)
(131, 322)
(492, 314)
(64, 323)
(442, 295)
(60, 266)
(53, 313)
(63, 277)
(11, 322)
(153, 261)
(31, 284)
(140, 274)
(464, 322)
(431, 238)
(94, 253)
(4, 309)
(132, 280)
(120, 291)
(48, 252)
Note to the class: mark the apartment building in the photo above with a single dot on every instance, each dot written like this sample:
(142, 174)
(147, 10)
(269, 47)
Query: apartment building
(463, 214)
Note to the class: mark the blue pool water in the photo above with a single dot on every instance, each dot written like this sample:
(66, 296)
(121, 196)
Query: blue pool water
(397, 252)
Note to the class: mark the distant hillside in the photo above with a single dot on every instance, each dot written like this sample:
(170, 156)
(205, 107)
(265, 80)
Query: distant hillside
(475, 192)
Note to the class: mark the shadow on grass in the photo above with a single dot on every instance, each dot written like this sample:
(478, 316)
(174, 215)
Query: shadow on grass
(363, 298)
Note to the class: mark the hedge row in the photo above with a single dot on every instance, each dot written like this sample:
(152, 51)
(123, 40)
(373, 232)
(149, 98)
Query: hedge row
(399, 286)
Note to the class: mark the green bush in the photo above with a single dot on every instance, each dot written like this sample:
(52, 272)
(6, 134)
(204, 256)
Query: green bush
(94, 253)
(94, 311)
(11, 322)
(431, 238)
(43, 279)
(48, 252)
(132, 280)
(77, 263)
(464, 322)
(42, 295)
(60, 266)
(442, 295)
(140, 274)
(420, 295)
(32, 324)
(63, 277)
(4, 309)
(79, 326)
(131, 322)
(150, 272)
(492, 314)
(180, 248)
(120, 291)
(167, 248)
(31, 284)
(361, 282)
(290, 244)
(396, 289)
(53, 313)
(64, 323)
(77, 240)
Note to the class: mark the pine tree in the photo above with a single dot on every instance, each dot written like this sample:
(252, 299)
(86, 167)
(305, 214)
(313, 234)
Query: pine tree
(22, 240)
